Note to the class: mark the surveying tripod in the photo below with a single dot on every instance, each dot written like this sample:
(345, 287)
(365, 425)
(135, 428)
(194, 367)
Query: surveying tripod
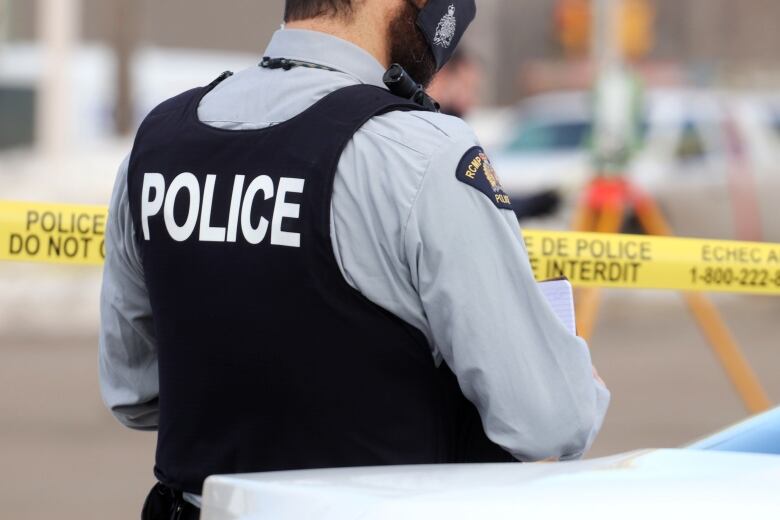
(603, 209)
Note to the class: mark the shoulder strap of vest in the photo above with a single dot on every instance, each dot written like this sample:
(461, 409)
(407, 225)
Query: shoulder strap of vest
(335, 119)
(185, 100)
(338, 116)
(356, 104)
(222, 77)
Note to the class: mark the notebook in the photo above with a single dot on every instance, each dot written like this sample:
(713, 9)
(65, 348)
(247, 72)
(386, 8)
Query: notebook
(560, 295)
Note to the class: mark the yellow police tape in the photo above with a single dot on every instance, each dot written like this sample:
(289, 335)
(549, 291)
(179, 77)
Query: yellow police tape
(648, 262)
(71, 234)
(54, 233)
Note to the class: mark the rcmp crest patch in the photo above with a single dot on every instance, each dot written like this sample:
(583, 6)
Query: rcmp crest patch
(476, 171)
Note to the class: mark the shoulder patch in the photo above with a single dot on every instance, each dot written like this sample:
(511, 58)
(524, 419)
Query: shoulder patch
(476, 171)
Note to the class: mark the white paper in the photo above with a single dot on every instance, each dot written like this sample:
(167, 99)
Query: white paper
(560, 296)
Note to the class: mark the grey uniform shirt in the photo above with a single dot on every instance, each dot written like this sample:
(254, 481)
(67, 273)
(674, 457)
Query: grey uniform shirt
(410, 237)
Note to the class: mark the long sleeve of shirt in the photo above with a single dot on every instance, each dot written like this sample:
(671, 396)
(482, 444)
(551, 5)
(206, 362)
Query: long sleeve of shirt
(127, 352)
(530, 378)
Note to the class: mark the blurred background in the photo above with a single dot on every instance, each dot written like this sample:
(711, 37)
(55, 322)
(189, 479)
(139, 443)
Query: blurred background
(692, 87)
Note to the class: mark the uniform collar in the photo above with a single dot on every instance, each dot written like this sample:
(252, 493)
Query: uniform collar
(327, 50)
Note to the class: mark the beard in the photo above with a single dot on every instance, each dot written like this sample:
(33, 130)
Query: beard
(409, 48)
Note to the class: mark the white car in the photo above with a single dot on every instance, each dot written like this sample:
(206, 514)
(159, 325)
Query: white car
(734, 474)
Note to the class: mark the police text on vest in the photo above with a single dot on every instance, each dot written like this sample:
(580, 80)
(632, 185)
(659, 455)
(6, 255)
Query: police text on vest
(156, 198)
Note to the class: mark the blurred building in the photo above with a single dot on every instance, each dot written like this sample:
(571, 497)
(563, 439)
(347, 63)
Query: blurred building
(700, 41)
(714, 41)
(239, 25)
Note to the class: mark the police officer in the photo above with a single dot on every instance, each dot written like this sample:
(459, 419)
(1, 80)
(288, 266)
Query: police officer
(305, 270)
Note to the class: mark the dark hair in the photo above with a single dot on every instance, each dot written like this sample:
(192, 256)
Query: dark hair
(304, 9)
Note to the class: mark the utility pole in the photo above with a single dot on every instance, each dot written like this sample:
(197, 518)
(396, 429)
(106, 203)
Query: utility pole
(605, 47)
(58, 30)
(617, 106)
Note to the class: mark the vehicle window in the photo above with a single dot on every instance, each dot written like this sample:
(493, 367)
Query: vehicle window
(551, 137)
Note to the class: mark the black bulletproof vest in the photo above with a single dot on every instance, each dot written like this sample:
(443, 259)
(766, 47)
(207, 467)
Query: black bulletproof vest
(268, 359)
